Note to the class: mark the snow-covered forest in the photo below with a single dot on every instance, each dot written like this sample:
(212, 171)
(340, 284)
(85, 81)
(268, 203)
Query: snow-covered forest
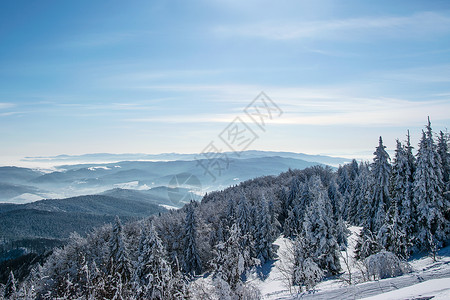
(401, 203)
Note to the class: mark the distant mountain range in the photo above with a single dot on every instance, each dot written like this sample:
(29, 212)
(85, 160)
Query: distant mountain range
(109, 157)
(140, 177)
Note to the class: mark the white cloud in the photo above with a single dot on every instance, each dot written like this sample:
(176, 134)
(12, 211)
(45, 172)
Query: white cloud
(428, 74)
(326, 107)
(420, 24)
(11, 113)
(5, 105)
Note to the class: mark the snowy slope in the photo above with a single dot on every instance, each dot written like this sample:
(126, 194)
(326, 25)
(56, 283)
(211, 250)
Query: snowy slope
(427, 279)
(434, 288)
(275, 285)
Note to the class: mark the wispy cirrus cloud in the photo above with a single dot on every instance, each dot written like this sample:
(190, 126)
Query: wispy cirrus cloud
(420, 24)
(11, 113)
(326, 107)
(428, 74)
(5, 105)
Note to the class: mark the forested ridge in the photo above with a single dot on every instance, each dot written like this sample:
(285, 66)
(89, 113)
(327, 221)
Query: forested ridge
(402, 204)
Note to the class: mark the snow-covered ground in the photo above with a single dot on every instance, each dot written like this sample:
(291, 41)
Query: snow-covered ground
(169, 207)
(427, 279)
(433, 288)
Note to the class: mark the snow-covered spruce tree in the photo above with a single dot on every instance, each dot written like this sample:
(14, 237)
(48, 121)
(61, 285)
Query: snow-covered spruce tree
(379, 193)
(335, 197)
(402, 192)
(428, 194)
(290, 225)
(319, 230)
(360, 206)
(264, 237)
(84, 279)
(228, 262)
(408, 204)
(119, 266)
(442, 146)
(272, 209)
(243, 212)
(291, 209)
(348, 201)
(294, 222)
(153, 272)
(409, 153)
(28, 287)
(191, 260)
(59, 274)
(304, 199)
(10, 289)
(217, 234)
(246, 240)
(345, 188)
(391, 235)
(443, 141)
(341, 234)
(442, 149)
(284, 205)
(305, 272)
(229, 268)
(293, 194)
(230, 214)
(367, 244)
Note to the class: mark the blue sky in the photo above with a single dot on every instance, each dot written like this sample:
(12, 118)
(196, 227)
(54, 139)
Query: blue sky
(168, 76)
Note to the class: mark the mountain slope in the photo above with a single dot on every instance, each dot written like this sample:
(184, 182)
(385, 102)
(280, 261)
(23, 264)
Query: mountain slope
(17, 175)
(57, 218)
(156, 195)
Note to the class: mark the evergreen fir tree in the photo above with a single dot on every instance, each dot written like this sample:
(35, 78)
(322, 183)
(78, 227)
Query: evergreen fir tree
(10, 289)
(319, 230)
(265, 233)
(228, 262)
(367, 244)
(294, 222)
(284, 205)
(428, 194)
(153, 273)
(401, 192)
(445, 160)
(243, 218)
(335, 199)
(442, 149)
(230, 213)
(362, 184)
(119, 266)
(247, 243)
(410, 156)
(192, 263)
(306, 272)
(293, 194)
(290, 225)
(379, 194)
(341, 234)
(392, 236)
(345, 188)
